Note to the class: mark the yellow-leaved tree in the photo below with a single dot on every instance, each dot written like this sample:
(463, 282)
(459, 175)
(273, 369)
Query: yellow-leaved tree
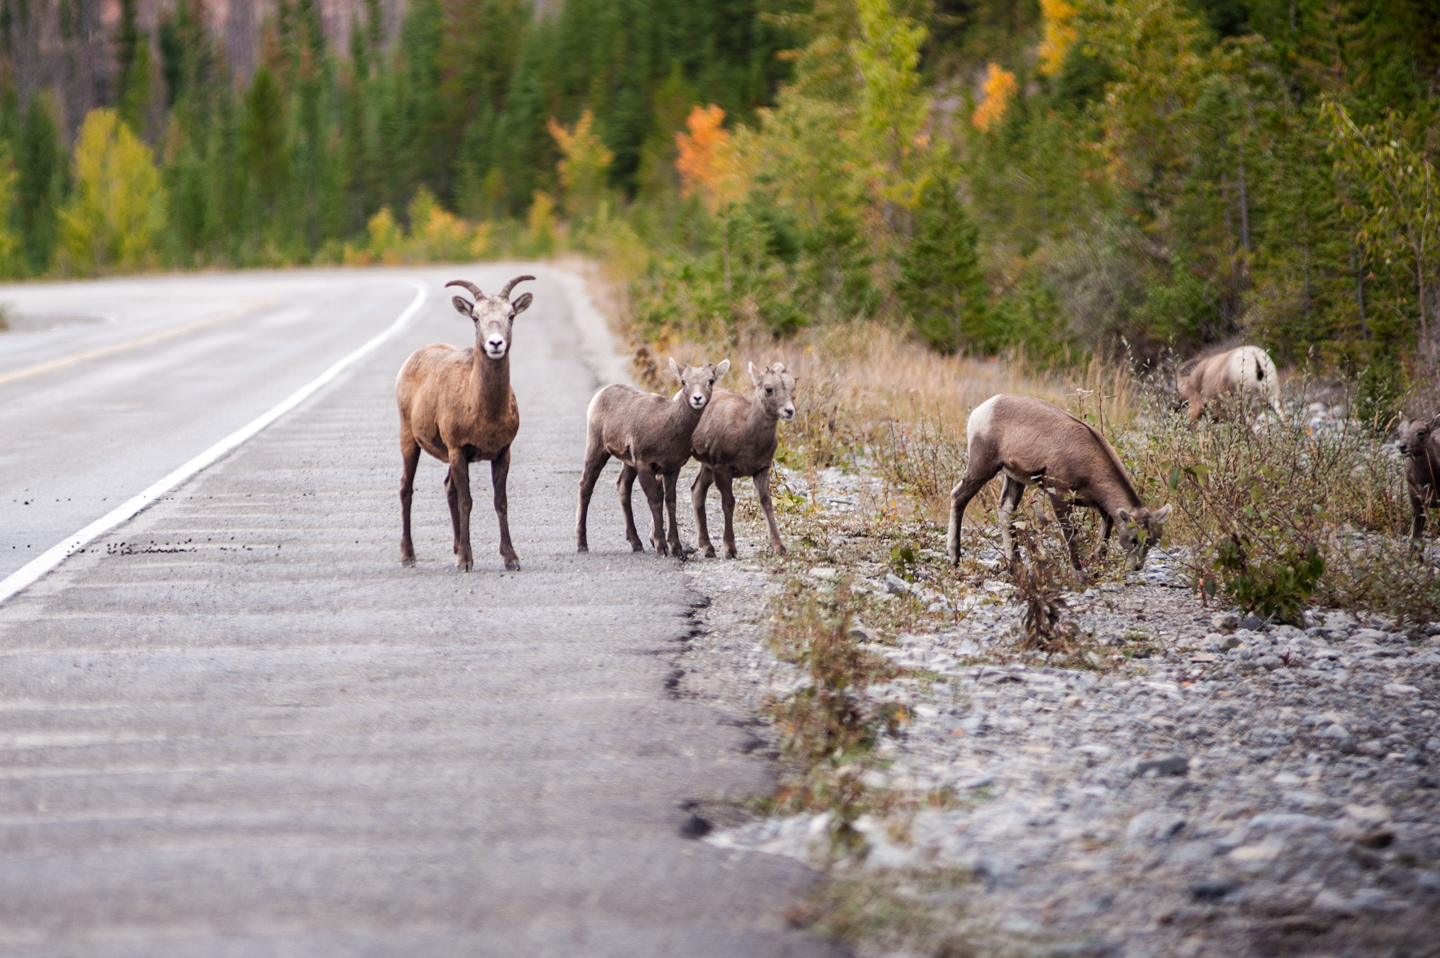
(999, 89)
(705, 160)
(1060, 34)
(116, 211)
(583, 168)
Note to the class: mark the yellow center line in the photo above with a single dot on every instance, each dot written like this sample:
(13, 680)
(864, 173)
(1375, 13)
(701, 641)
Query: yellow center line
(114, 348)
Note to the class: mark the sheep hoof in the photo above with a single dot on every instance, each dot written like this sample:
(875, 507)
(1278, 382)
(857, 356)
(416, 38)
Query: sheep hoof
(779, 548)
(636, 547)
(512, 565)
(464, 566)
(582, 548)
(408, 563)
(709, 552)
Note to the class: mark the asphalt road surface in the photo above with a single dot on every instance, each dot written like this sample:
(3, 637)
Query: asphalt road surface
(236, 726)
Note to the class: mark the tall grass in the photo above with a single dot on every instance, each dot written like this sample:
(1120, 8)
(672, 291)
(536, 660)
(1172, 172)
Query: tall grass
(872, 400)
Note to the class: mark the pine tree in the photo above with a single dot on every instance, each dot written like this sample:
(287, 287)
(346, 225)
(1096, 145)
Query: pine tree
(942, 286)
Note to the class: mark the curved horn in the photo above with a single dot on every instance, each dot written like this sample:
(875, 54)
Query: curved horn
(465, 283)
(505, 293)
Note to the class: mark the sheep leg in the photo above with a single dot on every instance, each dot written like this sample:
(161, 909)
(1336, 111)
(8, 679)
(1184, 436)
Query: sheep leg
(699, 490)
(460, 503)
(594, 465)
(1418, 508)
(625, 485)
(1010, 493)
(410, 454)
(452, 497)
(762, 490)
(499, 472)
(960, 497)
(654, 490)
(726, 484)
(1107, 525)
(1064, 513)
(672, 479)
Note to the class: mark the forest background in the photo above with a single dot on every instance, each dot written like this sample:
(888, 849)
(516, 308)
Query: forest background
(1062, 177)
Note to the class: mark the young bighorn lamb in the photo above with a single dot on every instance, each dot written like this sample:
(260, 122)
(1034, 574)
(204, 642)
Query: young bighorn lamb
(457, 405)
(1035, 443)
(736, 438)
(1246, 368)
(650, 435)
(1420, 445)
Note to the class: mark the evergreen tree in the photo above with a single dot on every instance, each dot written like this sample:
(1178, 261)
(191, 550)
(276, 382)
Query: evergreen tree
(40, 181)
(942, 286)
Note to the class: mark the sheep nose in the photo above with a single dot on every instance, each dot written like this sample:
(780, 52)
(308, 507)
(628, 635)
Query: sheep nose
(494, 344)
(788, 412)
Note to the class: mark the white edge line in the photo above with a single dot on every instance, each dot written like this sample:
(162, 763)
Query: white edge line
(36, 568)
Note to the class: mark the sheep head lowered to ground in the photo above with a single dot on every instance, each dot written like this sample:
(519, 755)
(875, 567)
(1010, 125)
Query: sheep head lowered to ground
(457, 405)
(1034, 443)
(650, 435)
(1248, 369)
(1420, 445)
(737, 438)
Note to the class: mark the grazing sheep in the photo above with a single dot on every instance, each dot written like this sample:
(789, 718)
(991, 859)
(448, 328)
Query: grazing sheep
(651, 436)
(1246, 368)
(457, 405)
(1035, 443)
(1420, 446)
(736, 438)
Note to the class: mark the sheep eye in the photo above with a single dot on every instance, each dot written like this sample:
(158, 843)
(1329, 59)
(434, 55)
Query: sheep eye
(768, 390)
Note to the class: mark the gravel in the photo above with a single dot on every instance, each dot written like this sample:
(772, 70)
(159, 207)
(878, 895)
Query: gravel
(1243, 788)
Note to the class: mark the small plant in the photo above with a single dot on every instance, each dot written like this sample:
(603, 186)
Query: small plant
(828, 727)
(903, 560)
(1040, 586)
(1279, 587)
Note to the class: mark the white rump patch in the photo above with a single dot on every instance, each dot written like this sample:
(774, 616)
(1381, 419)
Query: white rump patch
(978, 425)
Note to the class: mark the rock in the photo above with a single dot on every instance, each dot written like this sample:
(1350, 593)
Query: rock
(1270, 662)
(822, 572)
(1262, 852)
(1225, 622)
(1340, 735)
(1228, 643)
(1252, 622)
(896, 585)
(1157, 826)
(1395, 688)
(1177, 765)
(1213, 891)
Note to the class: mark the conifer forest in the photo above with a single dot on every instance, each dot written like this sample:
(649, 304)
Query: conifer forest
(1066, 178)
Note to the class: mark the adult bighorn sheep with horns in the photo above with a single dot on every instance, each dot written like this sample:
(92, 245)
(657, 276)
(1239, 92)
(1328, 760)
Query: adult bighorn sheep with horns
(457, 405)
(1036, 444)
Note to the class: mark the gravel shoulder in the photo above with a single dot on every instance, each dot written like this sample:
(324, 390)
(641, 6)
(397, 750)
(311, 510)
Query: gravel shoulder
(1200, 785)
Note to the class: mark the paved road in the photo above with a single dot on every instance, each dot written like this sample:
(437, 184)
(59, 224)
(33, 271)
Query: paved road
(236, 726)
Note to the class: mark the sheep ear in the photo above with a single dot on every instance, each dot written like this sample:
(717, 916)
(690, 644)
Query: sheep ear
(462, 306)
(1162, 514)
(754, 376)
(676, 369)
(522, 303)
(723, 368)
(1124, 515)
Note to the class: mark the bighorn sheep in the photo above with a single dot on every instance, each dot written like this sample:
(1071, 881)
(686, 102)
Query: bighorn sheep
(1246, 368)
(736, 438)
(457, 405)
(1420, 446)
(1035, 443)
(650, 435)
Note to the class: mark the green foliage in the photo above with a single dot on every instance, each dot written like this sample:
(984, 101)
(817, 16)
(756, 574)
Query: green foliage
(40, 169)
(1279, 587)
(942, 286)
